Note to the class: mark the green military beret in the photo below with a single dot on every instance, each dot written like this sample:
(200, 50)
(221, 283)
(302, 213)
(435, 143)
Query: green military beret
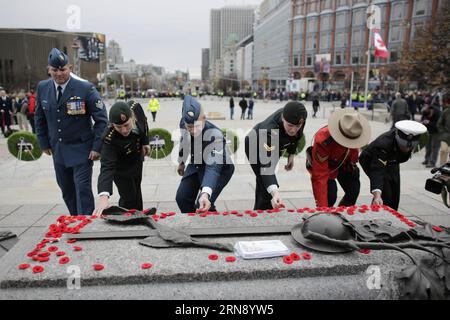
(120, 113)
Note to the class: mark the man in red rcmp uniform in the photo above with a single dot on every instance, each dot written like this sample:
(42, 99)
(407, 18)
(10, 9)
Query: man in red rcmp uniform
(334, 155)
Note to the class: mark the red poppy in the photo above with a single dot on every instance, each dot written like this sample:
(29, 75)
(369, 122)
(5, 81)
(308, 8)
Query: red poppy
(76, 248)
(162, 215)
(253, 215)
(191, 214)
(38, 269)
(43, 259)
(146, 266)
(234, 212)
(32, 253)
(362, 210)
(300, 210)
(60, 253)
(155, 217)
(230, 259)
(213, 257)
(170, 214)
(53, 249)
(248, 211)
(43, 254)
(71, 240)
(64, 260)
(312, 211)
(350, 213)
(365, 251)
(291, 210)
(239, 215)
(260, 211)
(437, 229)
(306, 256)
(24, 266)
(288, 259)
(295, 256)
(226, 213)
(203, 215)
(98, 267)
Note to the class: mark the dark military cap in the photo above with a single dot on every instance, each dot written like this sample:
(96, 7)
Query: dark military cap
(120, 113)
(191, 110)
(295, 113)
(57, 58)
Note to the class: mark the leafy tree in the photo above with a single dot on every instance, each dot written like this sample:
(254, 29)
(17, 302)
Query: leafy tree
(426, 58)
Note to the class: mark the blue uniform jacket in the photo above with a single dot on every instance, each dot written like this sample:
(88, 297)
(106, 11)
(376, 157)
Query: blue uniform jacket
(212, 161)
(71, 137)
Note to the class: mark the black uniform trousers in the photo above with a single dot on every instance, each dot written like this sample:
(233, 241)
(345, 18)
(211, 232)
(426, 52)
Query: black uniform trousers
(349, 181)
(391, 187)
(130, 190)
(263, 199)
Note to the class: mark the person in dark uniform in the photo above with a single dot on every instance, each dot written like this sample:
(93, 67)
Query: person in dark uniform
(6, 111)
(382, 158)
(65, 108)
(210, 168)
(334, 155)
(125, 144)
(266, 143)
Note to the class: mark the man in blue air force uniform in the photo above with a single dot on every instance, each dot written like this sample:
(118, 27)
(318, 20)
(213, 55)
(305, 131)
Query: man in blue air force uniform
(210, 168)
(65, 108)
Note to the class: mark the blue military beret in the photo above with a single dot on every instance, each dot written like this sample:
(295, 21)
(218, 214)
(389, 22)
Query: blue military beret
(191, 110)
(57, 58)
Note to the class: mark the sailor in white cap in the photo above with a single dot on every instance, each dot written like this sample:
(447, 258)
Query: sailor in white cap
(381, 160)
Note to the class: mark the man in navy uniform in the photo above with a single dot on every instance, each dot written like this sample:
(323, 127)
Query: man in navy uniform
(65, 108)
(266, 143)
(382, 158)
(210, 168)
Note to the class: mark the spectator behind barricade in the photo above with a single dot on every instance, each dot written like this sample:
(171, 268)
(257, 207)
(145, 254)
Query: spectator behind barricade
(430, 117)
(443, 126)
(412, 104)
(399, 109)
(31, 108)
(21, 107)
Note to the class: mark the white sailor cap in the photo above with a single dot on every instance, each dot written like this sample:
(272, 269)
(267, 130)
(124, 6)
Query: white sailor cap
(409, 127)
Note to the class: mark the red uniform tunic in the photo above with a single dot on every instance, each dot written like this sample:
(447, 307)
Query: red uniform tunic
(327, 157)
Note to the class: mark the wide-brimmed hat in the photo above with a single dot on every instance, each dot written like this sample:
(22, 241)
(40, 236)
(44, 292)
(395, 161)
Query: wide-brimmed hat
(349, 128)
(326, 224)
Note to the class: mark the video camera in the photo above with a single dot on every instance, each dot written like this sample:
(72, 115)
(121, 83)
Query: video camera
(440, 183)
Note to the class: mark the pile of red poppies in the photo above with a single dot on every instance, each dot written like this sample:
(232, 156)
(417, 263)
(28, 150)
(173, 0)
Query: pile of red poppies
(296, 257)
(333, 210)
(63, 225)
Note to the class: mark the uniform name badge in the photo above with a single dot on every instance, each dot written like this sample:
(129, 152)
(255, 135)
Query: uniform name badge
(76, 107)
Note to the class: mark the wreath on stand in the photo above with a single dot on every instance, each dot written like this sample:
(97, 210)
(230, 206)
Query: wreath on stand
(161, 143)
(24, 146)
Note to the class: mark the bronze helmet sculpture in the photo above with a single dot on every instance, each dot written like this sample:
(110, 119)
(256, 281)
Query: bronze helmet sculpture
(325, 224)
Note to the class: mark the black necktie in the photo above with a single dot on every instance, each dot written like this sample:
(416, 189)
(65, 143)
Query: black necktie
(59, 93)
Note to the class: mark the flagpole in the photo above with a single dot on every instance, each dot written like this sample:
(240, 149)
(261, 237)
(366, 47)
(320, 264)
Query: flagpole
(368, 67)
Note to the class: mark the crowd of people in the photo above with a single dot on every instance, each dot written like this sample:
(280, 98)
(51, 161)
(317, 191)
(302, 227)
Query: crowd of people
(17, 108)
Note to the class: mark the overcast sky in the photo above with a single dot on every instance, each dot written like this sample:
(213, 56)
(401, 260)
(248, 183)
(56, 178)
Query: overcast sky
(167, 33)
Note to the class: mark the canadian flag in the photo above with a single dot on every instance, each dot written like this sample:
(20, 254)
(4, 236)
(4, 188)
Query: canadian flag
(380, 48)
